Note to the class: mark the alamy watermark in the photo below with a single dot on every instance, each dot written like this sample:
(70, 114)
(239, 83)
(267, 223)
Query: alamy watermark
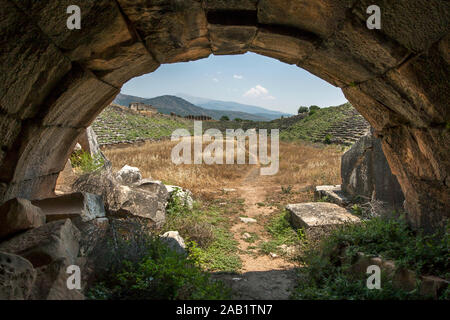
(234, 151)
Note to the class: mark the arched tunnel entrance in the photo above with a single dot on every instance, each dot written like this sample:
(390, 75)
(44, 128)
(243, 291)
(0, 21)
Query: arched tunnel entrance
(55, 81)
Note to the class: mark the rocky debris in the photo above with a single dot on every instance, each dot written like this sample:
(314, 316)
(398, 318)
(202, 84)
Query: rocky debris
(83, 205)
(319, 214)
(77, 147)
(366, 173)
(19, 215)
(92, 232)
(50, 249)
(42, 245)
(128, 175)
(153, 186)
(17, 277)
(51, 282)
(273, 255)
(332, 194)
(183, 195)
(226, 190)
(125, 200)
(174, 241)
(401, 277)
(247, 220)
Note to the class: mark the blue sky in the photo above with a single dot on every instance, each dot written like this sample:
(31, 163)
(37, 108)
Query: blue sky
(249, 79)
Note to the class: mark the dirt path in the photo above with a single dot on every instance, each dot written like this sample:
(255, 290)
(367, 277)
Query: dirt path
(262, 276)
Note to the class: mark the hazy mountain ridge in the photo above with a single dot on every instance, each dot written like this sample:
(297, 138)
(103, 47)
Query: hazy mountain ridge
(233, 106)
(168, 103)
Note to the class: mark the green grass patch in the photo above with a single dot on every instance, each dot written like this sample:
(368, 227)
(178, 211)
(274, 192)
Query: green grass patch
(326, 276)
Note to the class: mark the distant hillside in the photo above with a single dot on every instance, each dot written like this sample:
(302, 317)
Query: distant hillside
(120, 124)
(233, 106)
(342, 125)
(167, 104)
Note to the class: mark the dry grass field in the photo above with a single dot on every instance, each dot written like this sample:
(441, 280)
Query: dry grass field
(300, 163)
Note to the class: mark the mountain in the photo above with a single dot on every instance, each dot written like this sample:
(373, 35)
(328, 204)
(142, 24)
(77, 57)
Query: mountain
(167, 104)
(233, 106)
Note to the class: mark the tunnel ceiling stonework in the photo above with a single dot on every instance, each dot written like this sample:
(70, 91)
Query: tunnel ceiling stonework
(55, 81)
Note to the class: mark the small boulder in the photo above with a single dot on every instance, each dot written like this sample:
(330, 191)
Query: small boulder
(174, 241)
(17, 277)
(128, 175)
(19, 215)
(183, 195)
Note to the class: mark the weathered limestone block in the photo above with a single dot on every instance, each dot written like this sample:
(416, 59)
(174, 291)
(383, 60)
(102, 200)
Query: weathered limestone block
(333, 194)
(78, 99)
(102, 26)
(320, 17)
(43, 245)
(319, 215)
(124, 200)
(231, 39)
(174, 241)
(39, 153)
(88, 142)
(366, 173)
(17, 277)
(120, 63)
(31, 65)
(83, 205)
(173, 31)
(128, 175)
(19, 215)
(402, 20)
(51, 282)
(286, 48)
(92, 233)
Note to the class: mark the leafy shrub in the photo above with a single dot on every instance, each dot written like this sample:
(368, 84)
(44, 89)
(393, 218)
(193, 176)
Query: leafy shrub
(302, 109)
(85, 162)
(142, 267)
(326, 277)
(224, 118)
(327, 138)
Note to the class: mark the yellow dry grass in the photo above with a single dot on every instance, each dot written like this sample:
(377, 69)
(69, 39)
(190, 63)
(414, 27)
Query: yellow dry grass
(300, 163)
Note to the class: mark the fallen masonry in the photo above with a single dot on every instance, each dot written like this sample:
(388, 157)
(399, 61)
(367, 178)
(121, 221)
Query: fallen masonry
(318, 215)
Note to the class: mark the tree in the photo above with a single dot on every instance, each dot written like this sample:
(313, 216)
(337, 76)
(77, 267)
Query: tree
(224, 118)
(302, 109)
(238, 119)
(313, 109)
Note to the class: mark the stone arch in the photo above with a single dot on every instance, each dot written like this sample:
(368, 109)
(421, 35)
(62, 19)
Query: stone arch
(55, 81)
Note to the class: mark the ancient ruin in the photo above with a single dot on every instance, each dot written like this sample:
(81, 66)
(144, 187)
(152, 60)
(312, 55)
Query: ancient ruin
(55, 81)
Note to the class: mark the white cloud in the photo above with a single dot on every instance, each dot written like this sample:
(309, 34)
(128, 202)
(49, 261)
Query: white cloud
(259, 92)
(238, 76)
(215, 80)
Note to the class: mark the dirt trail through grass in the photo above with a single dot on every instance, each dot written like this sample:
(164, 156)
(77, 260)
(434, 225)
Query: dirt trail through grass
(264, 276)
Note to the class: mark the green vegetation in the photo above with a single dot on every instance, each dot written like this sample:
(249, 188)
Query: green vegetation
(281, 233)
(208, 230)
(141, 267)
(302, 109)
(318, 125)
(326, 276)
(83, 161)
(116, 124)
(224, 118)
